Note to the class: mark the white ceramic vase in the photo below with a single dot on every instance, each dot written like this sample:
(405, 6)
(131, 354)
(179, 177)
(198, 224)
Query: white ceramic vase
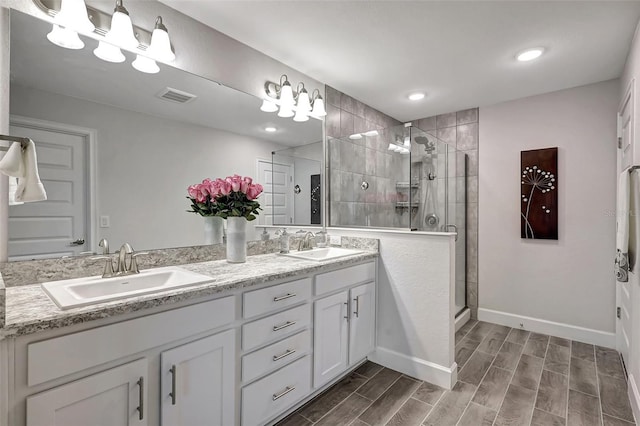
(213, 231)
(236, 239)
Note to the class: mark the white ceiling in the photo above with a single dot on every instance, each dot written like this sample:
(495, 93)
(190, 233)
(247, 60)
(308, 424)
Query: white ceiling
(37, 63)
(462, 54)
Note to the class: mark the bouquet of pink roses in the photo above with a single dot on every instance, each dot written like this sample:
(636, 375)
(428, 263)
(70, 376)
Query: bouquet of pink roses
(234, 196)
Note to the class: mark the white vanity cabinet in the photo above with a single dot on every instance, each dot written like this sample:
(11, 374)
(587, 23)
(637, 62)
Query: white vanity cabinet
(245, 358)
(113, 397)
(198, 382)
(344, 323)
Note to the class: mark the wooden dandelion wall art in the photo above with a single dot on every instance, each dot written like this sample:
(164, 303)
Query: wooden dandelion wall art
(539, 194)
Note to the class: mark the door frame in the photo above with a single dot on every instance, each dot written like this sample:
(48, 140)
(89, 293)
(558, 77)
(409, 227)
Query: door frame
(90, 137)
(288, 195)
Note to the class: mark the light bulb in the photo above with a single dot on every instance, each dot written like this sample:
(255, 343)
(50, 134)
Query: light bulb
(108, 52)
(160, 47)
(121, 31)
(146, 65)
(530, 54)
(64, 37)
(301, 115)
(268, 106)
(303, 101)
(285, 113)
(73, 15)
(371, 133)
(286, 97)
(318, 107)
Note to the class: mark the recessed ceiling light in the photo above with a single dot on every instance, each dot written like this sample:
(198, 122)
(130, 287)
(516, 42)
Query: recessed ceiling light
(270, 129)
(416, 96)
(530, 54)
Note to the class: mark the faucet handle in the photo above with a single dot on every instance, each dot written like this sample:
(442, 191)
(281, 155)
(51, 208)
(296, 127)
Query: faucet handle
(134, 263)
(108, 265)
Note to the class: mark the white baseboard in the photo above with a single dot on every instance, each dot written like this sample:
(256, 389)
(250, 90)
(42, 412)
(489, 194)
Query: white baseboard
(634, 397)
(430, 372)
(463, 318)
(566, 331)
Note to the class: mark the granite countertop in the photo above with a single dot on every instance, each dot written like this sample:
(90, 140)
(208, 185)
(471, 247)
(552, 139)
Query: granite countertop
(29, 309)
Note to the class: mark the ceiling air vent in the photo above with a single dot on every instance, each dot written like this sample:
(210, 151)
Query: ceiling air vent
(175, 95)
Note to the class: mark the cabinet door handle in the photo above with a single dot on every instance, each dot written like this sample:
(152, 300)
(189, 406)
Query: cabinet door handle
(140, 408)
(277, 396)
(284, 355)
(357, 311)
(174, 378)
(347, 315)
(285, 325)
(286, 296)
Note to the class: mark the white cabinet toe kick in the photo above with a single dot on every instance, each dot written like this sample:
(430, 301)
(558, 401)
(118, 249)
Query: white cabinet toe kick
(241, 358)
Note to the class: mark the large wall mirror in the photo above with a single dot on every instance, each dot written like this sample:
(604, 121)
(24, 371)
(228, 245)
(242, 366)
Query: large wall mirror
(117, 148)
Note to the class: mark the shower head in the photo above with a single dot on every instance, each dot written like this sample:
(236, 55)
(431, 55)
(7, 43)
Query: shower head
(429, 146)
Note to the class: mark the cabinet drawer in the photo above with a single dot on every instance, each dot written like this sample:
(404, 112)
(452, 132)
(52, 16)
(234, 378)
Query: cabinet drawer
(278, 296)
(275, 393)
(275, 356)
(60, 356)
(275, 326)
(335, 280)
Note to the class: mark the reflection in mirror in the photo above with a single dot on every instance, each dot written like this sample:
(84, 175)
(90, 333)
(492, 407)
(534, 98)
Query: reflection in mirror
(116, 152)
(296, 190)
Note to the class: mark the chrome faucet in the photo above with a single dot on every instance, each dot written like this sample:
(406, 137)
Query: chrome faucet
(108, 262)
(132, 266)
(305, 241)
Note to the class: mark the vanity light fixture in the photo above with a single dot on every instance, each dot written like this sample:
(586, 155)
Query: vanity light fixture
(530, 54)
(71, 18)
(74, 18)
(146, 65)
(299, 105)
(416, 96)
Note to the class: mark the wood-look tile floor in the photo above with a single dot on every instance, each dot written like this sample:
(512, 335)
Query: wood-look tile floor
(505, 377)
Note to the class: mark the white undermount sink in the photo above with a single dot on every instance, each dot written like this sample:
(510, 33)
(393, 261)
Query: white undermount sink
(325, 253)
(78, 292)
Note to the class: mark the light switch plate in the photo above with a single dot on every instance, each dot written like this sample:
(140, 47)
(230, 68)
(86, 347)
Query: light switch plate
(335, 240)
(105, 221)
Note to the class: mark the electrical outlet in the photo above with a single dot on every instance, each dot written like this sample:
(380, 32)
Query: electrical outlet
(335, 240)
(105, 221)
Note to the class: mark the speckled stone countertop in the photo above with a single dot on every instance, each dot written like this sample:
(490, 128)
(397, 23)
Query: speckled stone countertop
(29, 309)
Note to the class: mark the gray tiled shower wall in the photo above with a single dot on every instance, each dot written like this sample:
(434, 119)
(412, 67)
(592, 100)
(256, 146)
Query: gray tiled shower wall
(354, 161)
(460, 130)
(368, 159)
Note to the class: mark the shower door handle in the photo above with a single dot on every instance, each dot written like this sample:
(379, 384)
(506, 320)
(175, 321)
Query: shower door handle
(455, 229)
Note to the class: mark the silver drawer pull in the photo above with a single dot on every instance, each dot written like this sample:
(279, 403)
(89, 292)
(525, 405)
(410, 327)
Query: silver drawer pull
(286, 296)
(277, 396)
(285, 325)
(284, 355)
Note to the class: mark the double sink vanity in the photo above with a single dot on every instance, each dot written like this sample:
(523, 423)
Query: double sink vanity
(200, 343)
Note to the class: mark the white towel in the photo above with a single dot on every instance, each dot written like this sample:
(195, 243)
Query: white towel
(23, 164)
(622, 227)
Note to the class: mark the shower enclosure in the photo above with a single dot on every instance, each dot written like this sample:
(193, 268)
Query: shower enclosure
(400, 178)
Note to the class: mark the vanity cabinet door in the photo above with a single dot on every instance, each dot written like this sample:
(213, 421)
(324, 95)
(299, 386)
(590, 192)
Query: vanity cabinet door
(362, 324)
(113, 397)
(198, 382)
(331, 330)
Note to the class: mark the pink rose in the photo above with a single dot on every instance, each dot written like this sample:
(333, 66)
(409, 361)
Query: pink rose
(235, 181)
(193, 191)
(254, 191)
(225, 187)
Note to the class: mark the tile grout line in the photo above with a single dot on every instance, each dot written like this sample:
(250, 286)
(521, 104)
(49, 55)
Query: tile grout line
(512, 374)
(434, 404)
(407, 399)
(535, 400)
(566, 411)
(595, 364)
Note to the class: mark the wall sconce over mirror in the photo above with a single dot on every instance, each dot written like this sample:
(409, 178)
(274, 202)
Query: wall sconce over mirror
(113, 32)
(299, 105)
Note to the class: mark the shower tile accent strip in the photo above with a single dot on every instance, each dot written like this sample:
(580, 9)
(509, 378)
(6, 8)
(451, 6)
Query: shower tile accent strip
(488, 391)
(460, 129)
(39, 271)
(3, 304)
